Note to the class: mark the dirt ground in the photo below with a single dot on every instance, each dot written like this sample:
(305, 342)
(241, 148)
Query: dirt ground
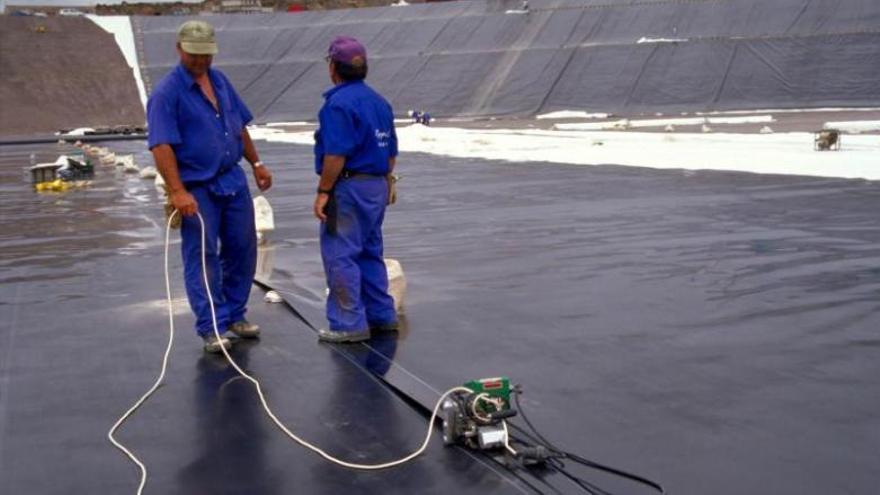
(62, 73)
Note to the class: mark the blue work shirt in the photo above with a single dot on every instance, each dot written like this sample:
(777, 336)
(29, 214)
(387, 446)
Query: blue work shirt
(206, 143)
(356, 122)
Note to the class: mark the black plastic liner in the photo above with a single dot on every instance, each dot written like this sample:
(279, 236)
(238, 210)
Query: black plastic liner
(714, 331)
(487, 58)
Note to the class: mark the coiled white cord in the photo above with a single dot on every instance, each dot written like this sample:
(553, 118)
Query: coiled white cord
(256, 383)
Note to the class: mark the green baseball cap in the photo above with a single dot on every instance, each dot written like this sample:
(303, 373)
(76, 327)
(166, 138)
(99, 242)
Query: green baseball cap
(197, 38)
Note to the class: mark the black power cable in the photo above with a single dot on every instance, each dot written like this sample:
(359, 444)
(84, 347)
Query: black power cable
(517, 390)
(583, 484)
(556, 464)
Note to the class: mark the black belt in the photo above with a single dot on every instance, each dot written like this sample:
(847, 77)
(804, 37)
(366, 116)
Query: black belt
(349, 174)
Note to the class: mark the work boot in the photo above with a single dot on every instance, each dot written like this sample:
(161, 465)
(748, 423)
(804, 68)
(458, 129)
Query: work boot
(244, 329)
(213, 345)
(390, 326)
(340, 337)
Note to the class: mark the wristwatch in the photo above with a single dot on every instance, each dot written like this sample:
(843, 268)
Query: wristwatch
(257, 164)
(324, 191)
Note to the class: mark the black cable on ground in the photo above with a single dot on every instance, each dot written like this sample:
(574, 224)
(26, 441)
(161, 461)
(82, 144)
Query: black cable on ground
(587, 487)
(580, 460)
(555, 463)
(517, 391)
(609, 469)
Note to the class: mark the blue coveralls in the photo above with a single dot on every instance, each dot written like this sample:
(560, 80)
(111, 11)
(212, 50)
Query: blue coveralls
(357, 123)
(208, 147)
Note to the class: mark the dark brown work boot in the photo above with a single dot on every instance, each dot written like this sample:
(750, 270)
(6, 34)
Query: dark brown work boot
(245, 329)
(213, 345)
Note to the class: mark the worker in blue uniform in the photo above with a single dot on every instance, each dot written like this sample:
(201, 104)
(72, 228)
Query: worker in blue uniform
(197, 135)
(355, 153)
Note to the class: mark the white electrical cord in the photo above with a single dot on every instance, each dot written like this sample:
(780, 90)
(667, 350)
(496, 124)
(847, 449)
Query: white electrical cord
(485, 417)
(480, 397)
(256, 383)
(152, 389)
(507, 439)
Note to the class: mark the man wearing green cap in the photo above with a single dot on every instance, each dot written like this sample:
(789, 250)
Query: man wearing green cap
(198, 135)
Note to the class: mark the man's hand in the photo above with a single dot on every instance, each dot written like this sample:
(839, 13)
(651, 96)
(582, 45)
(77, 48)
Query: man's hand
(184, 202)
(263, 177)
(320, 203)
(392, 189)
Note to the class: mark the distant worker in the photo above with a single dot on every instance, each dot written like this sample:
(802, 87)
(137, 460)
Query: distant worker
(420, 117)
(355, 153)
(197, 135)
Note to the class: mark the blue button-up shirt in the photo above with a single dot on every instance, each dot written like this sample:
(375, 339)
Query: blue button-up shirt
(358, 123)
(206, 142)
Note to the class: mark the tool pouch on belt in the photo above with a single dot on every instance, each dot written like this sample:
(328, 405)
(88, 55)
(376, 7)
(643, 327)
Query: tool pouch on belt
(169, 209)
(331, 211)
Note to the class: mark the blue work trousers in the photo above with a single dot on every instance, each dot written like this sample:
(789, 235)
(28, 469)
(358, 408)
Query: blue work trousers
(231, 256)
(353, 258)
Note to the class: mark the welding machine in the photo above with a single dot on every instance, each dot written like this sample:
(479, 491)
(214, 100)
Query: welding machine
(475, 419)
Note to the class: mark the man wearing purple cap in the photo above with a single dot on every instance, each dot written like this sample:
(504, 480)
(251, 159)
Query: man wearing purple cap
(355, 151)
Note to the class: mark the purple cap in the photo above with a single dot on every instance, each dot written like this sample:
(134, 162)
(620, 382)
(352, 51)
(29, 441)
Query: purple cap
(347, 50)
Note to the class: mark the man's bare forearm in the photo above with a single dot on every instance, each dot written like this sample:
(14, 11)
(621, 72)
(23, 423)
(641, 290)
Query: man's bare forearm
(333, 165)
(250, 151)
(166, 164)
(179, 197)
(262, 176)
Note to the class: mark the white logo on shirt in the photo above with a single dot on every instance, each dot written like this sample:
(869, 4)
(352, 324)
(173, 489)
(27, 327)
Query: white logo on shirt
(382, 138)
